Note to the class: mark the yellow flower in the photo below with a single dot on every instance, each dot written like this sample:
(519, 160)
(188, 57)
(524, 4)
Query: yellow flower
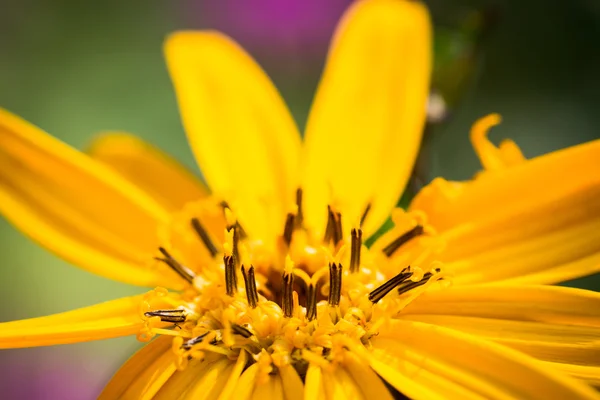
(273, 292)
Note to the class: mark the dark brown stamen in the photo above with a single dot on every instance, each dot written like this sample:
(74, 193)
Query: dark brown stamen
(288, 230)
(410, 285)
(188, 344)
(365, 213)
(381, 291)
(311, 302)
(287, 300)
(330, 226)
(250, 283)
(203, 234)
(181, 270)
(230, 275)
(235, 252)
(337, 228)
(175, 316)
(240, 330)
(402, 239)
(241, 231)
(299, 214)
(355, 248)
(335, 284)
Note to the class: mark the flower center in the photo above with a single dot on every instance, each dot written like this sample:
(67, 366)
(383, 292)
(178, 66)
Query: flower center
(307, 300)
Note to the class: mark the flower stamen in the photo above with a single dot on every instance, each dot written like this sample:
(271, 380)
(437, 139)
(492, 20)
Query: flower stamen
(355, 247)
(335, 284)
(381, 291)
(203, 234)
(287, 300)
(175, 316)
(250, 283)
(230, 275)
(288, 229)
(181, 270)
(391, 248)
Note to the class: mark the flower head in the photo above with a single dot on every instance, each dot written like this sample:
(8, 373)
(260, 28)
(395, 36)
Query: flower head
(266, 286)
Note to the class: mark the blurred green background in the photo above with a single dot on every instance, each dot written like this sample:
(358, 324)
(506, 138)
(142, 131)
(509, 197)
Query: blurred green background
(77, 68)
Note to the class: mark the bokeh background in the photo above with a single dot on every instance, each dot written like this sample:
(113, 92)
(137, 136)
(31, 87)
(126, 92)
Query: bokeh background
(78, 68)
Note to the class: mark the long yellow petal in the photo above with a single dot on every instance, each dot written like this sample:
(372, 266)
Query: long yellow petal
(550, 342)
(153, 171)
(179, 384)
(534, 222)
(292, 384)
(366, 122)
(556, 324)
(245, 385)
(544, 304)
(76, 207)
(151, 379)
(114, 318)
(426, 353)
(209, 385)
(241, 132)
(314, 387)
(134, 367)
(369, 383)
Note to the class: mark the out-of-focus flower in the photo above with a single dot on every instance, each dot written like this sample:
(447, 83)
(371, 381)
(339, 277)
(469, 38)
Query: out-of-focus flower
(273, 292)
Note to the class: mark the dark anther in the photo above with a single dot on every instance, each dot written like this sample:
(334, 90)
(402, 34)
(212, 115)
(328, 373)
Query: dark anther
(329, 228)
(288, 230)
(299, 215)
(405, 237)
(235, 251)
(410, 285)
(250, 282)
(364, 215)
(184, 272)
(187, 345)
(240, 330)
(210, 246)
(333, 230)
(230, 275)
(335, 284)
(381, 291)
(175, 316)
(311, 302)
(241, 231)
(287, 301)
(337, 228)
(355, 247)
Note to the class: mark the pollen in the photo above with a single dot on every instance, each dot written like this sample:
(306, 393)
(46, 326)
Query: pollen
(298, 303)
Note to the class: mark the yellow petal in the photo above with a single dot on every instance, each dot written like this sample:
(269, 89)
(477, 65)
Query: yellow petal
(234, 377)
(210, 384)
(292, 384)
(180, 383)
(544, 304)
(271, 389)
(313, 389)
(537, 221)
(114, 318)
(76, 207)
(590, 375)
(371, 386)
(366, 122)
(245, 385)
(551, 342)
(241, 132)
(555, 324)
(448, 363)
(135, 367)
(153, 171)
(151, 379)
